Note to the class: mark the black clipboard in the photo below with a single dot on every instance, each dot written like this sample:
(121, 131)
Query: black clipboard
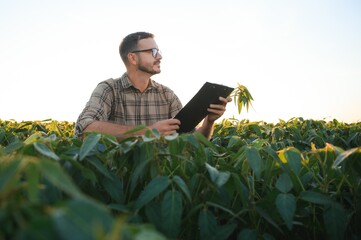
(196, 109)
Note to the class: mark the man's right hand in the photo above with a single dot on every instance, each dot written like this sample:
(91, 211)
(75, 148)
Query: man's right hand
(166, 127)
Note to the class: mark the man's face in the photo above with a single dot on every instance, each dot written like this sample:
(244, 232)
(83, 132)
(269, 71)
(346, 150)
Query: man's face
(146, 61)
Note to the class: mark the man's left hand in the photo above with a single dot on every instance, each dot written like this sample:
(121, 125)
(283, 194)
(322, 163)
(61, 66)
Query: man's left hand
(217, 110)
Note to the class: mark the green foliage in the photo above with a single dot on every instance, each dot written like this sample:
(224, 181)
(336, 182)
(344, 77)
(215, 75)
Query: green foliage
(241, 97)
(298, 179)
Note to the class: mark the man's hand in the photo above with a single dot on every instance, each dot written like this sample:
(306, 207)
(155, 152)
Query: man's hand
(166, 127)
(217, 110)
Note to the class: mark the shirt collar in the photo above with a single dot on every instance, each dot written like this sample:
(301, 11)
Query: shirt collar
(126, 83)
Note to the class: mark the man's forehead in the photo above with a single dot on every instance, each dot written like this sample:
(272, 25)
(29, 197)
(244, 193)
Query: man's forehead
(147, 43)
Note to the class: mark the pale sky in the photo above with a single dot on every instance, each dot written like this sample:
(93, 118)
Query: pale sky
(297, 58)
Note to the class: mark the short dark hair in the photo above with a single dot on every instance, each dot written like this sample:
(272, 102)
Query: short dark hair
(130, 43)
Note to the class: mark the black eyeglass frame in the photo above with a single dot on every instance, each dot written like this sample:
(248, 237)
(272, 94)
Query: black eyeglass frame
(155, 51)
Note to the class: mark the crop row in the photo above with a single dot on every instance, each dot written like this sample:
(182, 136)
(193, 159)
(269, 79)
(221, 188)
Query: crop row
(298, 179)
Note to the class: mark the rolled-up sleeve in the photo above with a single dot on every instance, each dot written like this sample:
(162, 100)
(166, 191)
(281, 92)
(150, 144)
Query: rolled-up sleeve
(98, 108)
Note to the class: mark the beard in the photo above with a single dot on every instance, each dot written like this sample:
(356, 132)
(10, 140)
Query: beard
(148, 69)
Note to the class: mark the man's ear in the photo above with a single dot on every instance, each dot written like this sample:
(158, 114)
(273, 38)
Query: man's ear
(132, 58)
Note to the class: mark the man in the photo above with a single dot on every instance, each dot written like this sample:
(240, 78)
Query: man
(118, 105)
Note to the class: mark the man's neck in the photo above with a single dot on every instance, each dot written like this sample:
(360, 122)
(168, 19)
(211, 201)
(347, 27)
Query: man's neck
(139, 80)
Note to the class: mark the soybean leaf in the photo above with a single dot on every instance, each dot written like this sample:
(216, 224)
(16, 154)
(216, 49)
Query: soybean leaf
(80, 219)
(350, 160)
(222, 208)
(284, 183)
(210, 230)
(139, 232)
(256, 128)
(217, 177)
(114, 187)
(335, 220)
(183, 186)
(267, 236)
(315, 197)
(294, 159)
(33, 178)
(153, 211)
(153, 132)
(241, 189)
(268, 218)
(194, 183)
(254, 160)
(86, 172)
(247, 234)
(207, 224)
(224, 231)
(118, 207)
(56, 128)
(341, 157)
(171, 214)
(56, 175)
(152, 190)
(99, 166)
(192, 140)
(12, 147)
(213, 172)
(205, 141)
(139, 170)
(44, 150)
(171, 137)
(286, 206)
(8, 172)
(88, 145)
(33, 138)
(148, 138)
(242, 97)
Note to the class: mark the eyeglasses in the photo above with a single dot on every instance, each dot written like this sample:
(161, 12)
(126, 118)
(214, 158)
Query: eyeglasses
(155, 51)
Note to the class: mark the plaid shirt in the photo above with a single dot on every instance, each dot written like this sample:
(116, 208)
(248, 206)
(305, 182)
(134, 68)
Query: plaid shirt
(118, 101)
